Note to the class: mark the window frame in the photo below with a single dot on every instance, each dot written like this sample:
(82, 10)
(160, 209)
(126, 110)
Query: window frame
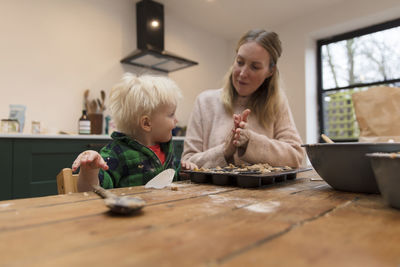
(340, 37)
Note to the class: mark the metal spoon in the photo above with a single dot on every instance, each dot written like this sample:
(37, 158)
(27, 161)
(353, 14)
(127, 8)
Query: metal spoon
(121, 205)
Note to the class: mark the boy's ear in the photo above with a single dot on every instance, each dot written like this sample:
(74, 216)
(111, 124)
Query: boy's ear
(145, 123)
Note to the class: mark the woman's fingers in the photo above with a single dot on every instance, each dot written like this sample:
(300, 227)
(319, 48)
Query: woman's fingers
(229, 147)
(245, 114)
(241, 137)
(188, 165)
(236, 120)
(242, 124)
(240, 120)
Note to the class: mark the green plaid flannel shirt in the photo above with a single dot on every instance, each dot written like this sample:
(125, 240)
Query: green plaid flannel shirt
(131, 163)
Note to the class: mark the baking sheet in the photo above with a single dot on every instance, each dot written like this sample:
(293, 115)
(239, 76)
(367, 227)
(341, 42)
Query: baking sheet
(242, 178)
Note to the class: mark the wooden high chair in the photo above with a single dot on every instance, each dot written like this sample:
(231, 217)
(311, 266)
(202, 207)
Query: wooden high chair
(67, 182)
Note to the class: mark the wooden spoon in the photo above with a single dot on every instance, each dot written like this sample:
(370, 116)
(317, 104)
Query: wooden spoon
(103, 99)
(327, 139)
(121, 205)
(86, 99)
(93, 106)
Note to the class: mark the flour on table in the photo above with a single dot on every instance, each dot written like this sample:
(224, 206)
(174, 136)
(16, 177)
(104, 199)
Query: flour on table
(266, 207)
(5, 205)
(222, 199)
(286, 188)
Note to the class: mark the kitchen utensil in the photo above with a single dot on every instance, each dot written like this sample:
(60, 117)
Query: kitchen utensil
(386, 167)
(327, 139)
(93, 107)
(103, 100)
(161, 180)
(100, 105)
(86, 99)
(344, 166)
(96, 123)
(121, 205)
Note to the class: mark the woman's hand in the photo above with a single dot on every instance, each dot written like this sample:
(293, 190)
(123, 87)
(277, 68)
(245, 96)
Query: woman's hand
(239, 137)
(241, 133)
(89, 160)
(187, 165)
(229, 147)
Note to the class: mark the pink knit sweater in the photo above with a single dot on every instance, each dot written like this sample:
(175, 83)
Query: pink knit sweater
(209, 126)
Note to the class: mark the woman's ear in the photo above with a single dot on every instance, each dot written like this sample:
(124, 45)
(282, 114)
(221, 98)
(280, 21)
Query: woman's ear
(145, 123)
(271, 71)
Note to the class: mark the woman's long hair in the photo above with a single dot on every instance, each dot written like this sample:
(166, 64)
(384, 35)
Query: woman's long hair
(265, 100)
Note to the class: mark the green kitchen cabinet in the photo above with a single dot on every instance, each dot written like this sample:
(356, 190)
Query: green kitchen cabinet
(37, 163)
(30, 165)
(6, 156)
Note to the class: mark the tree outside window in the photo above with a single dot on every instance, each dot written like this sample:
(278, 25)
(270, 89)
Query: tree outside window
(352, 62)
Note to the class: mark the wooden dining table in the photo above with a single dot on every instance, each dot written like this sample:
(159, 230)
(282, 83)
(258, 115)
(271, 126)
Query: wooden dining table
(300, 222)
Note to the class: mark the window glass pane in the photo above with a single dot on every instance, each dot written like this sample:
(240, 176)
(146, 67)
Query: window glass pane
(339, 118)
(370, 58)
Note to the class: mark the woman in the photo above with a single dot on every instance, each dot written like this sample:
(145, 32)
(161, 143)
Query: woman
(249, 120)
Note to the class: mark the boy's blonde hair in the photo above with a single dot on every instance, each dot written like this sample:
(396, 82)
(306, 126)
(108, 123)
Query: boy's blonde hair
(136, 96)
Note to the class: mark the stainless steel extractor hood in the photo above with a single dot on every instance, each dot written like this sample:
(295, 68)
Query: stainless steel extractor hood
(150, 51)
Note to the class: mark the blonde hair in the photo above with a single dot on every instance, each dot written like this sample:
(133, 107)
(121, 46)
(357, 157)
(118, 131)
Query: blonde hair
(265, 100)
(136, 96)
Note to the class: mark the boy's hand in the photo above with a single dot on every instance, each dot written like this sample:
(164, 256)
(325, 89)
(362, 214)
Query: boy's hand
(89, 159)
(186, 165)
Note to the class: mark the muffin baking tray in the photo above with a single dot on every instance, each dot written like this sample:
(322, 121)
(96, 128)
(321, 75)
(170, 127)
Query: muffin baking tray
(250, 178)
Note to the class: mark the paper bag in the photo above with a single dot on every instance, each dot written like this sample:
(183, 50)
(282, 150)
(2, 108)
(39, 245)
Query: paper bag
(378, 114)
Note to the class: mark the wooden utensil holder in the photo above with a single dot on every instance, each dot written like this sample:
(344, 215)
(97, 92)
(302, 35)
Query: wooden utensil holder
(96, 123)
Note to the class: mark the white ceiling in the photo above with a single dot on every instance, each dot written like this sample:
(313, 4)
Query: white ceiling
(231, 18)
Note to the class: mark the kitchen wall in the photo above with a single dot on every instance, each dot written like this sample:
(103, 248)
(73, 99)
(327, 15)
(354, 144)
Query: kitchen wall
(52, 50)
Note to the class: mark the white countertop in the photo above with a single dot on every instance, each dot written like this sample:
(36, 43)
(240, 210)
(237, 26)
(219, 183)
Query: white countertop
(66, 136)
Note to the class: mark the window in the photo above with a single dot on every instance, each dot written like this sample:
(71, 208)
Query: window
(352, 62)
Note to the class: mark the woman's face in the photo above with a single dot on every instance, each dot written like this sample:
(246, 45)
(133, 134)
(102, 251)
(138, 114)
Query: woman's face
(251, 68)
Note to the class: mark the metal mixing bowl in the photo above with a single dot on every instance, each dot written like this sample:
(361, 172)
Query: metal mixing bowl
(345, 166)
(386, 167)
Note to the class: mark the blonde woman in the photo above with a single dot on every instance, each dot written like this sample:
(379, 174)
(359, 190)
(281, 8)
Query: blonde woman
(143, 109)
(249, 120)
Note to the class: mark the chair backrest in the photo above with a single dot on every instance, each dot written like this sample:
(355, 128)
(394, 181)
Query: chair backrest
(67, 182)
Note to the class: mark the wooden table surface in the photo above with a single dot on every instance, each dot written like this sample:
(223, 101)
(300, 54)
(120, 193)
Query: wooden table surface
(294, 223)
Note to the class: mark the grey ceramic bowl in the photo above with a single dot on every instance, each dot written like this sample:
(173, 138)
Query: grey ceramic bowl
(344, 166)
(386, 167)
